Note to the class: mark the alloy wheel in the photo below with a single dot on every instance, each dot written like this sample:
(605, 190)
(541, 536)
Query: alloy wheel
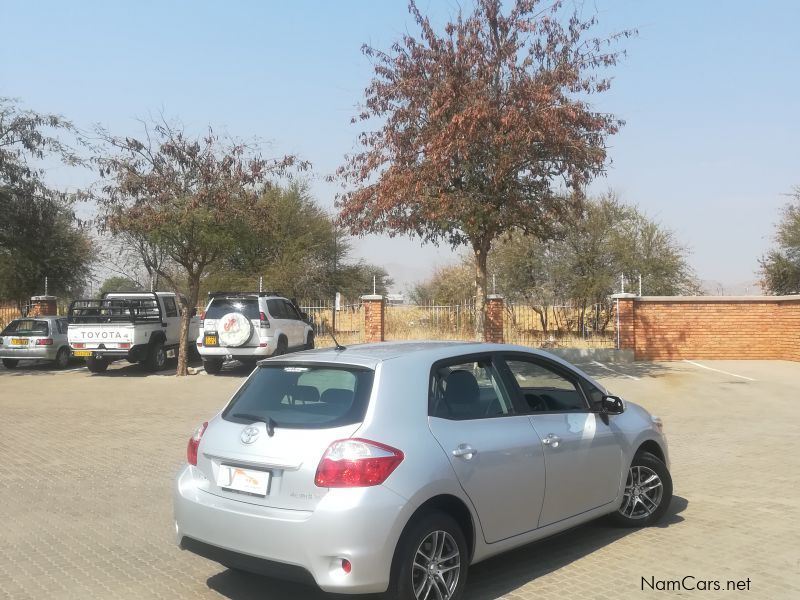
(643, 493)
(436, 568)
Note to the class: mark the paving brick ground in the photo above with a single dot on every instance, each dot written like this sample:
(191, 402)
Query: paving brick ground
(87, 461)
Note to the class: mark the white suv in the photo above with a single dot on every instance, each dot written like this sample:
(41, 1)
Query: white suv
(248, 326)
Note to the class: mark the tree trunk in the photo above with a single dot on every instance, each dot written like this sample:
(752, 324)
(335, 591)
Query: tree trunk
(188, 305)
(481, 255)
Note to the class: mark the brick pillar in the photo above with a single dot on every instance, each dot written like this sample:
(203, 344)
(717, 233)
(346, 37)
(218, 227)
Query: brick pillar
(42, 306)
(624, 321)
(493, 324)
(374, 318)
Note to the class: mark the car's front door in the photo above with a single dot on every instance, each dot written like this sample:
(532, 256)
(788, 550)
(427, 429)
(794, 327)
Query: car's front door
(171, 317)
(583, 457)
(493, 449)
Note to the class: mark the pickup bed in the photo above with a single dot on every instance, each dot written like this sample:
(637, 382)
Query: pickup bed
(140, 327)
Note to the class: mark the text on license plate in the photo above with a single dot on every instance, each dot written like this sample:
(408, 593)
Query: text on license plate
(19, 341)
(211, 340)
(238, 479)
(81, 352)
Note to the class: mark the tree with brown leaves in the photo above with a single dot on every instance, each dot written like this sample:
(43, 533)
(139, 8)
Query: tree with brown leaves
(191, 199)
(484, 128)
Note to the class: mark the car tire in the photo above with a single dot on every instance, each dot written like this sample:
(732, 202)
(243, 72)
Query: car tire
(647, 492)
(414, 547)
(62, 358)
(156, 357)
(212, 366)
(96, 365)
(282, 347)
(310, 341)
(10, 363)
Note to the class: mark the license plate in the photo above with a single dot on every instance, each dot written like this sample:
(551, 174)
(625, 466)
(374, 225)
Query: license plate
(211, 340)
(19, 341)
(248, 481)
(81, 353)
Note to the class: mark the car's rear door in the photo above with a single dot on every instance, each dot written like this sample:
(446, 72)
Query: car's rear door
(494, 451)
(296, 325)
(582, 453)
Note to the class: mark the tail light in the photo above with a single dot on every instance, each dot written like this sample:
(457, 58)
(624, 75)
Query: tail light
(44, 342)
(78, 345)
(194, 444)
(125, 345)
(264, 320)
(356, 463)
(203, 319)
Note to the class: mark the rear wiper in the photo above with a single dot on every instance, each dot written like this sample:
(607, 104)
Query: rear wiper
(269, 421)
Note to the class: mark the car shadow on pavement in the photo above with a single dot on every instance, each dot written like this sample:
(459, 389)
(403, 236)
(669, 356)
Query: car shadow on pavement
(40, 367)
(122, 368)
(489, 579)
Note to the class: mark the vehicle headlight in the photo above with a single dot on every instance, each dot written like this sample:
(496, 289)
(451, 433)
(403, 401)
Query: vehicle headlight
(658, 423)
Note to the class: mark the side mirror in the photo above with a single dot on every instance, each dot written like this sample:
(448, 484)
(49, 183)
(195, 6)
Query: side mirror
(612, 405)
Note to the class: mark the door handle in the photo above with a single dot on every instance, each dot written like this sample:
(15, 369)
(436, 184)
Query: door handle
(551, 440)
(465, 451)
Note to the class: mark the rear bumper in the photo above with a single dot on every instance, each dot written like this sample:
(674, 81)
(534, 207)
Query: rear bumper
(361, 525)
(242, 351)
(35, 353)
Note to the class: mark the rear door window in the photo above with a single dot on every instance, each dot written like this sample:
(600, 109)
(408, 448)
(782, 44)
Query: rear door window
(277, 310)
(26, 328)
(220, 307)
(170, 308)
(303, 397)
(465, 390)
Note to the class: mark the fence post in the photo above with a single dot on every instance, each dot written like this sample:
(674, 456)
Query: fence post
(624, 320)
(493, 325)
(374, 318)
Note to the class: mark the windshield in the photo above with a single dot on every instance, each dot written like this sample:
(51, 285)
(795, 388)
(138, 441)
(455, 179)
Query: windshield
(26, 328)
(220, 307)
(302, 397)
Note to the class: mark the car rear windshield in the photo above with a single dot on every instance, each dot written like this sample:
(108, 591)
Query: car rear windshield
(26, 328)
(302, 396)
(220, 307)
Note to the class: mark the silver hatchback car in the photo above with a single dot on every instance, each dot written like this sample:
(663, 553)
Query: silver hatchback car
(35, 338)
(396, 466)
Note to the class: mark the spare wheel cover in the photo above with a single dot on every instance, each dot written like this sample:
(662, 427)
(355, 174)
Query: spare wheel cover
(234, 329)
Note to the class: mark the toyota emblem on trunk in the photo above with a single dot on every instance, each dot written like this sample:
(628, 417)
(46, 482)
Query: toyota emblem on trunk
(250, 434)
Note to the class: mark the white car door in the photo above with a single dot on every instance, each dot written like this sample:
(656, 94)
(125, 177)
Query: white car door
(582, 454)
(296, 324)
(494, 451)
(172, 318)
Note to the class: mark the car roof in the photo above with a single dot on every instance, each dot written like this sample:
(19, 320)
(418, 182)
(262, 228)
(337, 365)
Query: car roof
(38, 318)
(370, 355)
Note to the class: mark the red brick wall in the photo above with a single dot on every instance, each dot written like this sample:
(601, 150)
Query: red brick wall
(493, 325)
(374, 318)
(711, 327)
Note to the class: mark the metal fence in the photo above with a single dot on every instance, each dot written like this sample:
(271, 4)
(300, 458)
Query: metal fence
(430, 321)
(566, 326)
(346, 323)
(8, 312)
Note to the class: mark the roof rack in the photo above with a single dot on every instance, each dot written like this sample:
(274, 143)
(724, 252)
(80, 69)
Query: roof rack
(259, 294)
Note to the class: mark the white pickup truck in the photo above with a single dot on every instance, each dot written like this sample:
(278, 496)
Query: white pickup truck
(141, 327)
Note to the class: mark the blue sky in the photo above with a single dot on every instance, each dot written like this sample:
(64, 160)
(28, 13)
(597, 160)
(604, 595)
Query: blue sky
(709, 91)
